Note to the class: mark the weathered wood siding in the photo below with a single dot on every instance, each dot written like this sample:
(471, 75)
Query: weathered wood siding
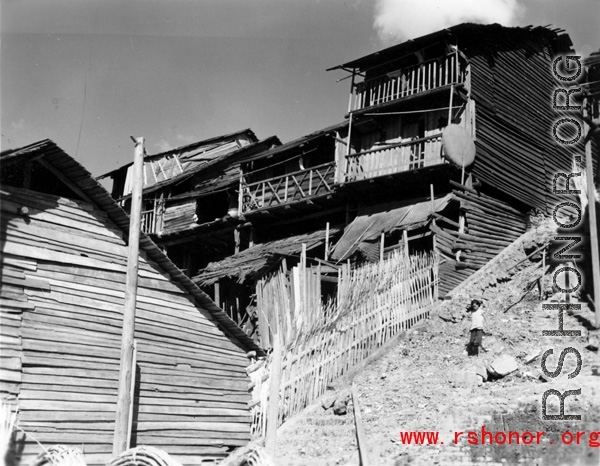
(179, 216)
(63, 275)
(491, 225)
(513, 88)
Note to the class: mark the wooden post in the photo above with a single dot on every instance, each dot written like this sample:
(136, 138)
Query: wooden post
(327, 241)
(381, 247)
(241, 209)
(451, 103)
(433, 242)
(349, 136)
(432, 200)
(361, 438)
(405, 239)
(592, 219)
(236, 238)
(217, 288)
(543, 273)
(273, 406)
(132, 391)
(351, 91)
(124, 398)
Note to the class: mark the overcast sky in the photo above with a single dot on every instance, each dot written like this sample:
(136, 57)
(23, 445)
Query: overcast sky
(88, 73)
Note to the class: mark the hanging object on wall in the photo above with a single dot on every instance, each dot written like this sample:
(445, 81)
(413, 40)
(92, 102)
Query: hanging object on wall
(458, 145)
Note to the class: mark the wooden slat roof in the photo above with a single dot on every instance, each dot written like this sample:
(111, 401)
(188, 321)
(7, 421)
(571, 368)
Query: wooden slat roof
(188, 147)
(468, 36)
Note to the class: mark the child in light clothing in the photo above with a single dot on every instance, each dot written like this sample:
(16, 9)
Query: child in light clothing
(476, 310)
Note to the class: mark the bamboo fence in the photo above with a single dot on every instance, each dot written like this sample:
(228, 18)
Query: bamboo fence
(323, 340)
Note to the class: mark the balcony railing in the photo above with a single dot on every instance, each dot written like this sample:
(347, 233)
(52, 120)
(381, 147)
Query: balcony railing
(408, 81)
(148, 221)
(285, 189)
(396, 158)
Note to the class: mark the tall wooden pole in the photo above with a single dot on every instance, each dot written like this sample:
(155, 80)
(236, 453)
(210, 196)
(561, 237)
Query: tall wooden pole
(125, 398)
(591, 192)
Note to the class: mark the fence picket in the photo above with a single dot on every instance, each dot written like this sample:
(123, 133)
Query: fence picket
(322, 341)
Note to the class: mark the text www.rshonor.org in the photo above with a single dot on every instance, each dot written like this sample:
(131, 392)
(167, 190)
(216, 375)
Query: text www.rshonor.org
(487, 437)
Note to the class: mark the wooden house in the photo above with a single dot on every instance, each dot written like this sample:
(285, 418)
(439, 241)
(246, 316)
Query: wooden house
(191, 205)
(446, 145)
(63, 264)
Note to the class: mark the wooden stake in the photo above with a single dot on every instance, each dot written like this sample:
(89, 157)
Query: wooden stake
(381, 247)
(273, 407)
(542, 277)
(592, 219)
(124, 399)
(361, 438)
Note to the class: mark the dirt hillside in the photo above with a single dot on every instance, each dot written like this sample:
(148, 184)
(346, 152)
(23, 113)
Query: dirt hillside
(425, 381)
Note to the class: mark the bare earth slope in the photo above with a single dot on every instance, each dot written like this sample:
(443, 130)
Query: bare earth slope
(425, 381)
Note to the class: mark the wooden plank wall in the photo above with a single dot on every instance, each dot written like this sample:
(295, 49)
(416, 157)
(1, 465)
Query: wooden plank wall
(491, 225)
(516, 152)
(63, 275)
(179, 216)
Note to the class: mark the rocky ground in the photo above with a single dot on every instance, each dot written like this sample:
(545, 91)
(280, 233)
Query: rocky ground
(425, 381)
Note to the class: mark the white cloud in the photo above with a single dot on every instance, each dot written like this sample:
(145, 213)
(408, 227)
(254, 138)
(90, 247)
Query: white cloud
(399, 20)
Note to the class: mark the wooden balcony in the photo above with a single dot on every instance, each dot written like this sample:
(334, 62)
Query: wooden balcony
(395, 158)
(406, 82)
(289, 188)
(148, 221)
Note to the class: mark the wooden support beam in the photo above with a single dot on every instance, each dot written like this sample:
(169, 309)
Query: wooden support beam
(273, 406)
(65, 180)
(326, 241)
(592, 219)
(217, 289)
(236, 238)
(124, 398)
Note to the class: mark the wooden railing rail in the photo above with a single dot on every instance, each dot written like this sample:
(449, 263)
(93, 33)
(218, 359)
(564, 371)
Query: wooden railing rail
(408, 81)
(394, 158)
(291, 187)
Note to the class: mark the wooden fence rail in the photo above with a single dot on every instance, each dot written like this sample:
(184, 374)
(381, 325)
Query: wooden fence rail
(322, 341)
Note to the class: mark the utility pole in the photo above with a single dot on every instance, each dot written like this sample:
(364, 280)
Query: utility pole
(127, 369)
(591, 192)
